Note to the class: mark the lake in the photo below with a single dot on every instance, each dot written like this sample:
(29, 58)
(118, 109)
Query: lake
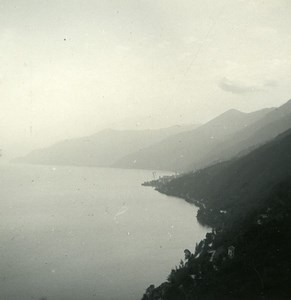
(81, 233)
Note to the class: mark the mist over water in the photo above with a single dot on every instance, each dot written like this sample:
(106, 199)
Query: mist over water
(88, 233)
(153, 85)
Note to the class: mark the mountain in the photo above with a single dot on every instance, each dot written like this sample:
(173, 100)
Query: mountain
(101, 149)
(265, 129)
(238, 182)
(247, 201)
(180, 151)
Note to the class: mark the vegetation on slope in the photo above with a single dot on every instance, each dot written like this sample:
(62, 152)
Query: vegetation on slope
(247, 201)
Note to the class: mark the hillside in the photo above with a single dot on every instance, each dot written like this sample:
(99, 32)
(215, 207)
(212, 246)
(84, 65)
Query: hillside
(247, 201)
(180, 151)
(241, 181)
(101, 149)
(242, 142)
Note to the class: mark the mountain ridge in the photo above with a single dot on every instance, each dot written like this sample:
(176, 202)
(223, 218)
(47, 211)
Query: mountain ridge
(177, 152)
(267, 128)
(247, 202)
(99, 149)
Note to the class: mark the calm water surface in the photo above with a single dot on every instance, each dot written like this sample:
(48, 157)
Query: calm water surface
(77, 233)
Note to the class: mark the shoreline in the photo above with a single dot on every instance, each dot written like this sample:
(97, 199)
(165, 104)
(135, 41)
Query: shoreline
(231, 260)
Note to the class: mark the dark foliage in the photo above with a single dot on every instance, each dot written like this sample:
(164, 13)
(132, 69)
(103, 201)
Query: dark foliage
(248, 203)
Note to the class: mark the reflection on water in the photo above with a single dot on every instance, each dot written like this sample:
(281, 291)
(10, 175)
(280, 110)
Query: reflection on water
(87, 233)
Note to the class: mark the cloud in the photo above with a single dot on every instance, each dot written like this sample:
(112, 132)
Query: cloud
(237, 87)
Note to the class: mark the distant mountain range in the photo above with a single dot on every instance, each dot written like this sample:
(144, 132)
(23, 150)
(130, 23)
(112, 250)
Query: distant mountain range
(237, 170)
(265, 129)
(247, 202)
(230, 134)
(102, 149)
(178, 148)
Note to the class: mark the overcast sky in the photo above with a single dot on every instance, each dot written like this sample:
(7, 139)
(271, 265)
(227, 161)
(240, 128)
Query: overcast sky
(70, 68)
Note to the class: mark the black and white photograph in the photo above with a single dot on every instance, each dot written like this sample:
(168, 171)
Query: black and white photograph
(145, 149)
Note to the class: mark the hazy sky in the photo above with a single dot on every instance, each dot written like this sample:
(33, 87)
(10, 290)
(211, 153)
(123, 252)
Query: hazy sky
(69, 68)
